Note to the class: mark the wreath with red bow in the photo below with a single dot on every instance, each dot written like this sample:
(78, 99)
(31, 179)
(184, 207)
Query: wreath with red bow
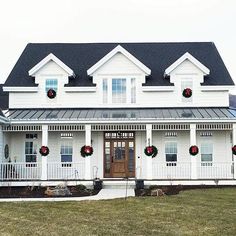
(151, 151)
(234, 149)
(86, 151)
(51, 93)
(187, 92)
(193, 150)
(44, 150)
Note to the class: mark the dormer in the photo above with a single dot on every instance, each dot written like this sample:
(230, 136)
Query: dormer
(187, 65)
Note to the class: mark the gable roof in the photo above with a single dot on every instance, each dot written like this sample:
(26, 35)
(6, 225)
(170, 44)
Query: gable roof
(4, 99)
(156, 56)
(48, 58)
(112, 53)
(187, 56)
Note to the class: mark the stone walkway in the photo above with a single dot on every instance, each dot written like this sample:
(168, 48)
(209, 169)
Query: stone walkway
(104, 194)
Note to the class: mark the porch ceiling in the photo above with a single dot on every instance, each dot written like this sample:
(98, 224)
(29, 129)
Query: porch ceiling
(80, 114)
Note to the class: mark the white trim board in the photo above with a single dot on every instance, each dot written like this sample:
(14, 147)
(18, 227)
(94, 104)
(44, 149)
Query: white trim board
(21, 89)
(187, 56)
(116, 50)
(48, 58)
(80, 89)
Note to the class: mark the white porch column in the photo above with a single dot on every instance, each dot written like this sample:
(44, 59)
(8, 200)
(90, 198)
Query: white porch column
(193, 141)
(87, 159)
(234, 143)
(148, 159)
(44, 174)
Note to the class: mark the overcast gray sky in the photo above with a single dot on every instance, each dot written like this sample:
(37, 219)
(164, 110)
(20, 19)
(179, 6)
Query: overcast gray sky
(24, 21)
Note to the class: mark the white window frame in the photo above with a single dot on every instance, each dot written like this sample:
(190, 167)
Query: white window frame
(31, 139)
(186, 83)
(171, 163)
(128, 90)
(64, 141)
(51, 87)
(207, 163)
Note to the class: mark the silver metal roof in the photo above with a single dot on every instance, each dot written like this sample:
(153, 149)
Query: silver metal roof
(120, 114)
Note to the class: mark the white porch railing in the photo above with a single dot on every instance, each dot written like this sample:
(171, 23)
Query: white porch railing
(65, 170)
(171, 170)
(20, 171)
(212, 170)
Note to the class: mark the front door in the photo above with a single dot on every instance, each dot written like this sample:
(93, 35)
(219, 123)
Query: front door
(119, 159)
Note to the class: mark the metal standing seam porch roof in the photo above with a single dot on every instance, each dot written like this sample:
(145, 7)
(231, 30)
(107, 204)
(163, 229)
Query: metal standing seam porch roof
(115, 114)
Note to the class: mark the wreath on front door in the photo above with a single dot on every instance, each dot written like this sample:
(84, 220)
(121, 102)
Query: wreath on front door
(51, 93)
(86, 151)
(234, 149)
(193, 150)
(44, 150)
(187, 92)
(150, 151)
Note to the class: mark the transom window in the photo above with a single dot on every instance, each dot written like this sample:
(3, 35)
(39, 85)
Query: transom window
(119, 90)
(51, 84)
(171, 153)
(206, 154)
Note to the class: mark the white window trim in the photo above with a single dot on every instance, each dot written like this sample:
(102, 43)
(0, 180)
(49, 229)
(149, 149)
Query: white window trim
(128, 90)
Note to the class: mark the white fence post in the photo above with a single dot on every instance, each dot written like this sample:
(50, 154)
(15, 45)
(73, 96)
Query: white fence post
(193, 141)
(234, 143)
(44, 158)
(87, 159)
(148, 158)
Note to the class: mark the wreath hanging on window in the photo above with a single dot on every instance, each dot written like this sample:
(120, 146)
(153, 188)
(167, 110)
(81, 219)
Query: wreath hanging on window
(86, 151)
(234, 149)
(193, 150)
(150, 151)
(187, 92)
(51, 93)
(44, 150)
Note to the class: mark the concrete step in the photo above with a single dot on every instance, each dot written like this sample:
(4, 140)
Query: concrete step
(118, 185)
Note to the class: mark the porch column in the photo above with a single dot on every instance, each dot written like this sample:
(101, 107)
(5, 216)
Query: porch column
(87, 159)
(44, 174)
(234, 143)
(148, 159)
(193, 141)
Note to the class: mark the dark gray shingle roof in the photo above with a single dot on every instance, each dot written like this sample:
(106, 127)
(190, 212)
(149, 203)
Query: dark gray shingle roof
(3, 98)
(156, 56)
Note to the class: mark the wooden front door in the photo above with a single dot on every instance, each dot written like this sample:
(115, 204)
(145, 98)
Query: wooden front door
(119, 155)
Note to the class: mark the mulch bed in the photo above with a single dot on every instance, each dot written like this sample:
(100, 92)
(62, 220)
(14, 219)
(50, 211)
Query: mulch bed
(173, 189)
(39, 192)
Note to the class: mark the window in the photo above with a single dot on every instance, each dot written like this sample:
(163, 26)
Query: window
(171, 153)
(118, 90)
(31, 136)
(133, 90)
(51, 84)
(30, 153)
(206, 154)
(66, 152)
(105, 89)
(184, 85)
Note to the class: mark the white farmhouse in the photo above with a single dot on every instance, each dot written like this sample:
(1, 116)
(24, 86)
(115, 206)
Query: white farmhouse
(153, 111)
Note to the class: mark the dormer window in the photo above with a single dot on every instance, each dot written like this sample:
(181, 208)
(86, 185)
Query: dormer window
(119, 90)
(51, 84)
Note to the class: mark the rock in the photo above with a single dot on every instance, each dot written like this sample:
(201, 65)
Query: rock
(157, 192)
(58, 191)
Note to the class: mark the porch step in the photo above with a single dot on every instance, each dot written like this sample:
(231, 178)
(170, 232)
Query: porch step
(118, 185)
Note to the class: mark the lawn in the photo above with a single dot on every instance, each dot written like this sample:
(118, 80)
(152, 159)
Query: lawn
(192, 212)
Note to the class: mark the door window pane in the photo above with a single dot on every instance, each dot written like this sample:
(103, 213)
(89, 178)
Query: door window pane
(131, 156)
